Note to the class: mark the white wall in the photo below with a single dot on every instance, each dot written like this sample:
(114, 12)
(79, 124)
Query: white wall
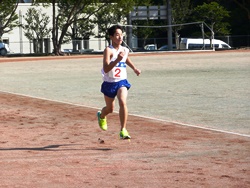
(20, 44)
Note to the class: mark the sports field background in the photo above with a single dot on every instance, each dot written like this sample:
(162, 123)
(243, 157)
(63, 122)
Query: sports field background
(205, 89)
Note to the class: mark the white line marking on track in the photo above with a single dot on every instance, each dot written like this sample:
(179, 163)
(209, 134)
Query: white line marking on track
(194, 126)
(146, 117)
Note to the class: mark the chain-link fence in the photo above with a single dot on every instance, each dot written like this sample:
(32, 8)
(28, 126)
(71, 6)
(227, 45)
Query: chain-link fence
(45, 46)
(235, 41)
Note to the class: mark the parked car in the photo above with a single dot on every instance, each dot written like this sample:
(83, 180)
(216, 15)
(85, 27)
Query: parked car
(4, 49)
(165, 47)
(150, 47)
(199, 43)
(67, 50)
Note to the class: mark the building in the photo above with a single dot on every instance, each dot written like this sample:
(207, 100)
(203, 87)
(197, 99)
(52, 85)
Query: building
(18, 43)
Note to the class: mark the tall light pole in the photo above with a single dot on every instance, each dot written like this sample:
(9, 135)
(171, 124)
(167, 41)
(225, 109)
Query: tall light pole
(169, 13)
(129, 30)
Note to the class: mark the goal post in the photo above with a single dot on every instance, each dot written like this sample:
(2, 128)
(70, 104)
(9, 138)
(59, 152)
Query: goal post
(131, 28)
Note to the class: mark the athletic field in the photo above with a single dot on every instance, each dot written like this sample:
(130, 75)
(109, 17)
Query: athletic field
(189, 118)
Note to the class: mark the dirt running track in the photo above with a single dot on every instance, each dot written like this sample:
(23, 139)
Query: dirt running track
(48, 144)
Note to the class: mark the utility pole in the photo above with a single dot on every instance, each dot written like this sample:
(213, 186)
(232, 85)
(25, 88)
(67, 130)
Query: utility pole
(129, 30)
(169, 13)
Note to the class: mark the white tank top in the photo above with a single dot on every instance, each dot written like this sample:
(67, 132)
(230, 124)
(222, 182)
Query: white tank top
(119, 72)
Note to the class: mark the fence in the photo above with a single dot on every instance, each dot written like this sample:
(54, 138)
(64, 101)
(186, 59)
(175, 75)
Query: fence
(98, 44)
(45, 46)
(235, 41)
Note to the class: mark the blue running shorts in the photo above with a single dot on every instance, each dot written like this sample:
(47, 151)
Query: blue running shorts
(110, 89)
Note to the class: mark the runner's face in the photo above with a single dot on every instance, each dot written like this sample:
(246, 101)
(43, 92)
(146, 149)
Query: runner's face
(117, 37)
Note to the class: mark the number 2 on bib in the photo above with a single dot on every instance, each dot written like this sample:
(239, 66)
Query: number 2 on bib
(117, 72)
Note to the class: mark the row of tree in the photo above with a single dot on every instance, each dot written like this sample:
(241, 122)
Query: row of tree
(74, 19)
(224, 17)
(70, 18)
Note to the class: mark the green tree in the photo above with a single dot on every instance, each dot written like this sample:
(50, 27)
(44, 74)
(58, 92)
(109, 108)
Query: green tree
(214, 15)
(66, 13)
(104, 21)
(36, 27)
(181, 10)
(80, 30)
(70, 12)
(143, 32)
(112, 15)
(8, 16)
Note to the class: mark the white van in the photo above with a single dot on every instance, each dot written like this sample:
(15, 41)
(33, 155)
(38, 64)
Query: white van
(199, 43)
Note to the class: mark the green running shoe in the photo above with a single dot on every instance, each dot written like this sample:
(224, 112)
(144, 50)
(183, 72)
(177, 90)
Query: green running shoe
(124, 134)
(102, 122)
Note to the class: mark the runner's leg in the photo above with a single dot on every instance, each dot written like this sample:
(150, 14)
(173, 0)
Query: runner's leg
(123, 111)
(109, 108)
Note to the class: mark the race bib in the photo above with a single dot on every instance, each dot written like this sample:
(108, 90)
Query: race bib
(119, 71)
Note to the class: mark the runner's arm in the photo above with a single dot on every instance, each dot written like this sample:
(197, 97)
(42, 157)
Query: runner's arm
(132, 66)
(107, 65)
